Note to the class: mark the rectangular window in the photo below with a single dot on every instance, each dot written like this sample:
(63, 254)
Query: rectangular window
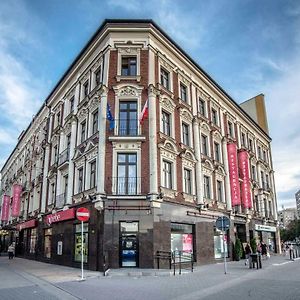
(55, 156)
(185, 134)
(253, 172)
(85, 89)
(264, 155)
(267, 181)
(214, 116)
(167, 174)
(80, 180)
(47, 242)
(92, 174)
(58, 119)
(166, 123)
(129, 66)
(165, 78)
(127, 174)
(243, 140)
(33, 238)
(83, 130)
(259, 152)
(219, 191)
(95, 122)
(65, 187)
(206, 180)
(202, 107)
(98, 76)
(262, 178)
(187, 181)
(77, 250)
(250, 145)
(52, 195)
(230, 129)
(72, 100)
(217, 151)
(183, 92)
(182, 239)
(128, 124)
(204, 143)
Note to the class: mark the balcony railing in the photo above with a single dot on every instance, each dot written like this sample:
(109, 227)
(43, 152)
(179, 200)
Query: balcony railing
(127, 127)
(60, 200)
(126, 185)
(64, 156)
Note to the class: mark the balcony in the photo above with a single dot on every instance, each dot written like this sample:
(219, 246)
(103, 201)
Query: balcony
(64, 157)
(60, 200)
(124, 186)
(127, 127)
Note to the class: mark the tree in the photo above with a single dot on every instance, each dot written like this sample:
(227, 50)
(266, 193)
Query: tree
(292, 232)
(253, 245)
(238, 251)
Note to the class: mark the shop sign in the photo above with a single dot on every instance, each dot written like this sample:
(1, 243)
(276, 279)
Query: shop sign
(60, 216)
(16, 202)
(28, 224)
(233, 174)
(5, 208)
(244, 171)
(187, 242)
(259, 227)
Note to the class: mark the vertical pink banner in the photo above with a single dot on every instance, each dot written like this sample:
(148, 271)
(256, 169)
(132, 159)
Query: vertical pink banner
(16, 203)
(244, 171)
(5, 208)
(233, 174)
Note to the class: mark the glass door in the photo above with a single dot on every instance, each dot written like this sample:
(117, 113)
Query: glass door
(129, 244)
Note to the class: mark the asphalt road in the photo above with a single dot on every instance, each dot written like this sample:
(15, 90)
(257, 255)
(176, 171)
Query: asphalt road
(279, 279)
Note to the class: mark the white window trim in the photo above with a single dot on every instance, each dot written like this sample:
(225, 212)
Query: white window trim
(128, 148)
(162, 63)
(168, 106)
(128, 51)
(193, 189)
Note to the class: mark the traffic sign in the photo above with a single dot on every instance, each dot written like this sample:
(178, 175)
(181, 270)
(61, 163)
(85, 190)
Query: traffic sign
(82, 214)
(223, 223)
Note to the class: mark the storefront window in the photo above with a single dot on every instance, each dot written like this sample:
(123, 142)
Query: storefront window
(77, 254)
(220, 244)
(47, 245)
(33, 237)
(182, 238)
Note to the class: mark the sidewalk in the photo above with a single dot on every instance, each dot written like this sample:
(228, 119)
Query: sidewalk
(57, 273)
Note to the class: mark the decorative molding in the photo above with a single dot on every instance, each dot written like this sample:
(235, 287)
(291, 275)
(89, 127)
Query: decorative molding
(125, 90)
(167, 104)
(186, 115)
(82, 114)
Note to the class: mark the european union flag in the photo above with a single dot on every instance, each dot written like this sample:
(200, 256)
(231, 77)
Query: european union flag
(110, 117)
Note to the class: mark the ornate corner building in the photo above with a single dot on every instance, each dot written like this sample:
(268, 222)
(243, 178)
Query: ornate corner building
(151, 184)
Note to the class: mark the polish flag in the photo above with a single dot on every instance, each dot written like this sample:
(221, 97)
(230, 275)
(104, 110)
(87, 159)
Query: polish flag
(144, 113)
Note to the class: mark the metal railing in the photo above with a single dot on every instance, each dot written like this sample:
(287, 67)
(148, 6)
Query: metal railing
(127, 127)
(60, 200)
(64, 156)
(126, 185)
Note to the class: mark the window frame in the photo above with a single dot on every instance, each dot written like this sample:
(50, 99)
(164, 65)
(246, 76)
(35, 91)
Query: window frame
(188, 182)
(207, 187)
(165, 78)
(167, 181)
(128, 57)
(186, 139)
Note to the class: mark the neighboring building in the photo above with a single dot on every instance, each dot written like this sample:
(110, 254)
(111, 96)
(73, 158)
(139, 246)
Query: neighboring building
(297, 196)
(287, 215)
(156, 184)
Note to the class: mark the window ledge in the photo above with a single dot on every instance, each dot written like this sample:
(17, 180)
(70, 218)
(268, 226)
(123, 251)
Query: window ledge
(127, 138)
(136, 77)
(169, 193)
(189, 197)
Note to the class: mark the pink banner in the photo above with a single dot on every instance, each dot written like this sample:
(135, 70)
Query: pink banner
(233, 174)
(244, 171)
(16, 203)
(5, 208)
(27, 224)
(60, 216)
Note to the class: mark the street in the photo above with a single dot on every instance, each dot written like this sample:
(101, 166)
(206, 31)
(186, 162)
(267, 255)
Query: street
(24, 279)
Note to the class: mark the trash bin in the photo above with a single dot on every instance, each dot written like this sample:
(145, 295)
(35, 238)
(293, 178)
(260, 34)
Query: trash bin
(255, 259)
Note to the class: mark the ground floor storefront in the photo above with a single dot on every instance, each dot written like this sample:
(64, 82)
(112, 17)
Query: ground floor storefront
(130, 234)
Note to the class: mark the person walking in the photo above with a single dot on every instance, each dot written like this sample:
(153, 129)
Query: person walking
(11, 251)
(264, 249)
(248, 251)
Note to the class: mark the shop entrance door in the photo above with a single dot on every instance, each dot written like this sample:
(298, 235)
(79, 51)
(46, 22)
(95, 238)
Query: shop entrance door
(129, 244)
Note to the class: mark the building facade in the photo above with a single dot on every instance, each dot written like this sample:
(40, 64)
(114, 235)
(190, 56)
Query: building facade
(297, 196)
(155, 183)
(286, 216)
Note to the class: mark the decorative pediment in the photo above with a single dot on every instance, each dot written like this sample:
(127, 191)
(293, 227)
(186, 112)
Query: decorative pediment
(54, 139)
(203, 94)
(94, 103)
(220, 170)
(186, 115)
(82, 114)
(183, 77)
(128, 50)
(67, 127)
(70, 94)
(189, 155)
(125, 90)
(163, 61)
(84, 78)
(208, 164)
(167, 104)
(217, 136)
(77, 154)
(97, 64)
(205, 127)
(169, 146)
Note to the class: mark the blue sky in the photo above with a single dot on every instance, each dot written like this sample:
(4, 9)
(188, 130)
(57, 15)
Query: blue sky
(248, 47)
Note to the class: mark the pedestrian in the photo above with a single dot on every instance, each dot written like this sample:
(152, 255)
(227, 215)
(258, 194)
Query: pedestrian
(248, 251)
(264, 249)
(11, 251)
(291, 247)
